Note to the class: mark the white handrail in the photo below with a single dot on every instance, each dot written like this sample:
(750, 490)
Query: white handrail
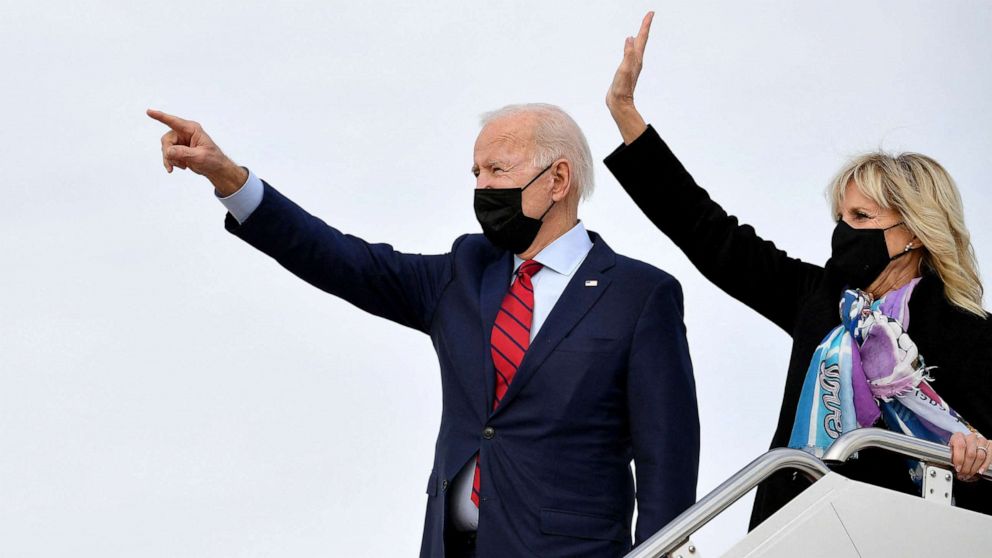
(691, 520)
(928, 452)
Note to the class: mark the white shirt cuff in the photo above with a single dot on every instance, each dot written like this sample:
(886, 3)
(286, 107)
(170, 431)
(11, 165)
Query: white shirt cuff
(242, 204)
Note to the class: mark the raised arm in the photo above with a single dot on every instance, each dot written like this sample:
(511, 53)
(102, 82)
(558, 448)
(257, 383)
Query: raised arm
(400, 287)
(620, 97)
(729, 254)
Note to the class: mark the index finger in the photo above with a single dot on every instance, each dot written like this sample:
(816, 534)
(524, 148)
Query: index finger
(642, 35)
(174, 122)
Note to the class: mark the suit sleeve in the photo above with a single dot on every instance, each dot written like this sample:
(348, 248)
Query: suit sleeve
(726, 252)
(400, 287)
(664, 420)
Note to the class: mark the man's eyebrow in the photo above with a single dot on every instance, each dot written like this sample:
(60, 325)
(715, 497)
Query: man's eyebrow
(490, 163)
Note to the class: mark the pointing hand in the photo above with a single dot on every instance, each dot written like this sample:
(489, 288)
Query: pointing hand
(187, 146)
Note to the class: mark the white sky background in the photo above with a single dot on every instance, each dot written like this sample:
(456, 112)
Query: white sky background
(167, 391)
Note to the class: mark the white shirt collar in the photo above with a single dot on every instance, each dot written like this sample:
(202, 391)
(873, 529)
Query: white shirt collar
(565, 254)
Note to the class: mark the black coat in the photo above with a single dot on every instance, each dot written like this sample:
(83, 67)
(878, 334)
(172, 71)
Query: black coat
(731, 255)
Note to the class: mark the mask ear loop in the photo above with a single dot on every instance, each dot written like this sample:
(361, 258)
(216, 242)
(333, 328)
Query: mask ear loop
(538, 175)
(541, 218)
(553, 202)
(909, 247)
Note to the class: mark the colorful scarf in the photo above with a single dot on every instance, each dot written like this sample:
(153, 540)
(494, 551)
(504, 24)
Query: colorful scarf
(868, 368)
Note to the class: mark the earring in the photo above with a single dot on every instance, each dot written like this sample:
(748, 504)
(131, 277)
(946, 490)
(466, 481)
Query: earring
(908, 247)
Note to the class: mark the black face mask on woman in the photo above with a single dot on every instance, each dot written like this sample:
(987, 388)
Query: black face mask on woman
(500, 212)
(860, 255)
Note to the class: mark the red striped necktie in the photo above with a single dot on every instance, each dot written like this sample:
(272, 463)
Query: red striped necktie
(510, 339)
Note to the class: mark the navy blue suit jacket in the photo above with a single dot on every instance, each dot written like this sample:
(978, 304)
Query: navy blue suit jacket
(607, 379)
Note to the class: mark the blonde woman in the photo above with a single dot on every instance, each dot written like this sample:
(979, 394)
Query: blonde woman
(911, 347)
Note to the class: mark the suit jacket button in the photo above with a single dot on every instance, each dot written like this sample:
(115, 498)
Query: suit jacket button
(489, 432)
(444, 485)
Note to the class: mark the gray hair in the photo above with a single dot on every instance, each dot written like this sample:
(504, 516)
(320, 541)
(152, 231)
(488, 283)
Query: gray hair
(556, 136)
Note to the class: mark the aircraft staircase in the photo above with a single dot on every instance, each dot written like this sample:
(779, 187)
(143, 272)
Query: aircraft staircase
(837, 517)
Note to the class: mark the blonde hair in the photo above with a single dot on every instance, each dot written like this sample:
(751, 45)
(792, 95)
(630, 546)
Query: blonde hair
(924, 195)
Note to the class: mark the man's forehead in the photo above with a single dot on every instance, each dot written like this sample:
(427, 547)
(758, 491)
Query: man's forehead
(503, 138)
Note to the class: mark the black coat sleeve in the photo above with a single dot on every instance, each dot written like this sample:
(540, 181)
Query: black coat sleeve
(726, 252)
(959, 347)
(966, 384)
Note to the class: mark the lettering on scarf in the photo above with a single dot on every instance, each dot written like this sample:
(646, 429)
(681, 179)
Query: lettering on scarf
(829, 379)
(933, 402)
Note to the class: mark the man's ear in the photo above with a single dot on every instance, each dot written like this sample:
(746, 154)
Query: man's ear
(561, 179)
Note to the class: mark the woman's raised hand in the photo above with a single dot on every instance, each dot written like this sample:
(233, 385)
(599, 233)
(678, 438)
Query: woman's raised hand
(620, 97)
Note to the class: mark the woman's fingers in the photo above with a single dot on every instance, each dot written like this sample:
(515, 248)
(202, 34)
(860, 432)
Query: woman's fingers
(969, 454)
(957, 445)
(981, 452)
(982, 460)
(642, 35)
(625, 79)
(971, 463)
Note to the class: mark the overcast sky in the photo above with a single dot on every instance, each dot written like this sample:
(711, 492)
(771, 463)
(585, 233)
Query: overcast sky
(167, 391)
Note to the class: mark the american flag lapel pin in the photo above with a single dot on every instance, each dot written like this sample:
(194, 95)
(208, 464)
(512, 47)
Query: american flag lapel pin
(592, 283)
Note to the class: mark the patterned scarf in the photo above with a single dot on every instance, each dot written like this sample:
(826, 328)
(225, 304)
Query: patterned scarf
(867, 368)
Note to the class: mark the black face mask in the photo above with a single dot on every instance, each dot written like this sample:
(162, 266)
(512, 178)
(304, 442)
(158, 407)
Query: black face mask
(860, 255)
(501, 214)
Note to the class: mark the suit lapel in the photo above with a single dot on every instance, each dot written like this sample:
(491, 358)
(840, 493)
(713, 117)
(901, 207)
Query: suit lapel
(573, 304)
(495, 282)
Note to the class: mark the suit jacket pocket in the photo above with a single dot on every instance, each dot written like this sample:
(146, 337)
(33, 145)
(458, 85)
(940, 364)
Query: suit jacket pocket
(582, 525)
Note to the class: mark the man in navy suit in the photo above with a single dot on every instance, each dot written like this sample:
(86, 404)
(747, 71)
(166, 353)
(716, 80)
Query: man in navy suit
(561, 361)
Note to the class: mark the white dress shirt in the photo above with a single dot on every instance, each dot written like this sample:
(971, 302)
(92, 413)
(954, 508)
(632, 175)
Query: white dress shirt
(561, 259)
